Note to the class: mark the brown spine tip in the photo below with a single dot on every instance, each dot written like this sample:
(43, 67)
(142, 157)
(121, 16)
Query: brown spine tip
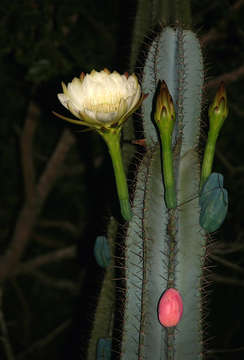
(107, 71)
(82, 75)
(141, 142)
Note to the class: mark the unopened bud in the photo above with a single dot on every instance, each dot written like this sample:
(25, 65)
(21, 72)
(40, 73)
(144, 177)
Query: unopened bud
(217, 113)
(218, 110)
(165, 113)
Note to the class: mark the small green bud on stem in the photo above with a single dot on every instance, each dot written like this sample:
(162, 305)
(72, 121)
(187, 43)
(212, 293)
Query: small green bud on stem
(218, 112)
(165, 119)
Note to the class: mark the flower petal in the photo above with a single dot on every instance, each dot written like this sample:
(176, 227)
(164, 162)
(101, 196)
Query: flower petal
(63, 99)
(102, 97)
(75, 92)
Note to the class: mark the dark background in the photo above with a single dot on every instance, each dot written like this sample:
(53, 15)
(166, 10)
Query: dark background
(48, 305)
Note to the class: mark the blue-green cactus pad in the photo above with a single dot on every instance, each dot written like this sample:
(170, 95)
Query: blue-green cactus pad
(213, 202)
(102, 251)
(104, 346)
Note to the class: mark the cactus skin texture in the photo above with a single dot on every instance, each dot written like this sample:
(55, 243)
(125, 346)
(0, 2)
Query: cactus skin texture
(166, 248)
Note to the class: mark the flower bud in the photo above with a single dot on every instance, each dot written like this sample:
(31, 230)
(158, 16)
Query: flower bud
(165, 113)
(217, 113)
(165, 119)
(218, 110)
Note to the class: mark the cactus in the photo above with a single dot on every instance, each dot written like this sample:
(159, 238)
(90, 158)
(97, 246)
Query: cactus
(164, 248)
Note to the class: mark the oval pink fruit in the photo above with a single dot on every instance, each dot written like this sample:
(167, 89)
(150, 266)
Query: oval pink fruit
(170, 308)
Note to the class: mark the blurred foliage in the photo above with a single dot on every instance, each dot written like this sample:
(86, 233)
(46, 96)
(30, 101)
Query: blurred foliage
(49, 38)
(43, 43)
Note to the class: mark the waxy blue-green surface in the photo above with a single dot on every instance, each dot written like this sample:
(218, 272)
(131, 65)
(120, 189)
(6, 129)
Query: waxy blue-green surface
(213, 202)
(104, 347)
(102, 251)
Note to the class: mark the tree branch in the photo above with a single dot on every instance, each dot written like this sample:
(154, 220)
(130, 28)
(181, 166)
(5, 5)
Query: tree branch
(26, 145)
(215, 34)
(46, 340)
(227, 263)
(226, 280)
(54, 256)
(229, 77)
(55, 283)
(29, 214)
(64, 225)
(4, 333)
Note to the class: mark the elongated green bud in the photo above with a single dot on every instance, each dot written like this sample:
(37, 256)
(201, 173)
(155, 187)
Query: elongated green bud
(165, 119)
(218, 112)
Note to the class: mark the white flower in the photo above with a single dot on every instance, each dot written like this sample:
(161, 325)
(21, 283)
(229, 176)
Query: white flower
(102, 99)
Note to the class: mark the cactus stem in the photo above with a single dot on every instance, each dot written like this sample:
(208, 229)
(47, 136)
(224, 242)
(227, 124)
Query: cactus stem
(169, 183)
(112, 139)
(208, 157)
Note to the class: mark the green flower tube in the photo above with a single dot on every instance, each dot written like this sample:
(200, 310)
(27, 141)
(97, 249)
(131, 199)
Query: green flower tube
(112, 139)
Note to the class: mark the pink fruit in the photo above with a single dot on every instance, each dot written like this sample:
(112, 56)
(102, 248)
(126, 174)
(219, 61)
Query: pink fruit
(170, 308)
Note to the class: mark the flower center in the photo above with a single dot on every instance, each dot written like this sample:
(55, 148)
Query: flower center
(102, 107)
(105, 102)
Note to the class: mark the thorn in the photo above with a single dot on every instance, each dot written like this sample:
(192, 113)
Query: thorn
(141, 142)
